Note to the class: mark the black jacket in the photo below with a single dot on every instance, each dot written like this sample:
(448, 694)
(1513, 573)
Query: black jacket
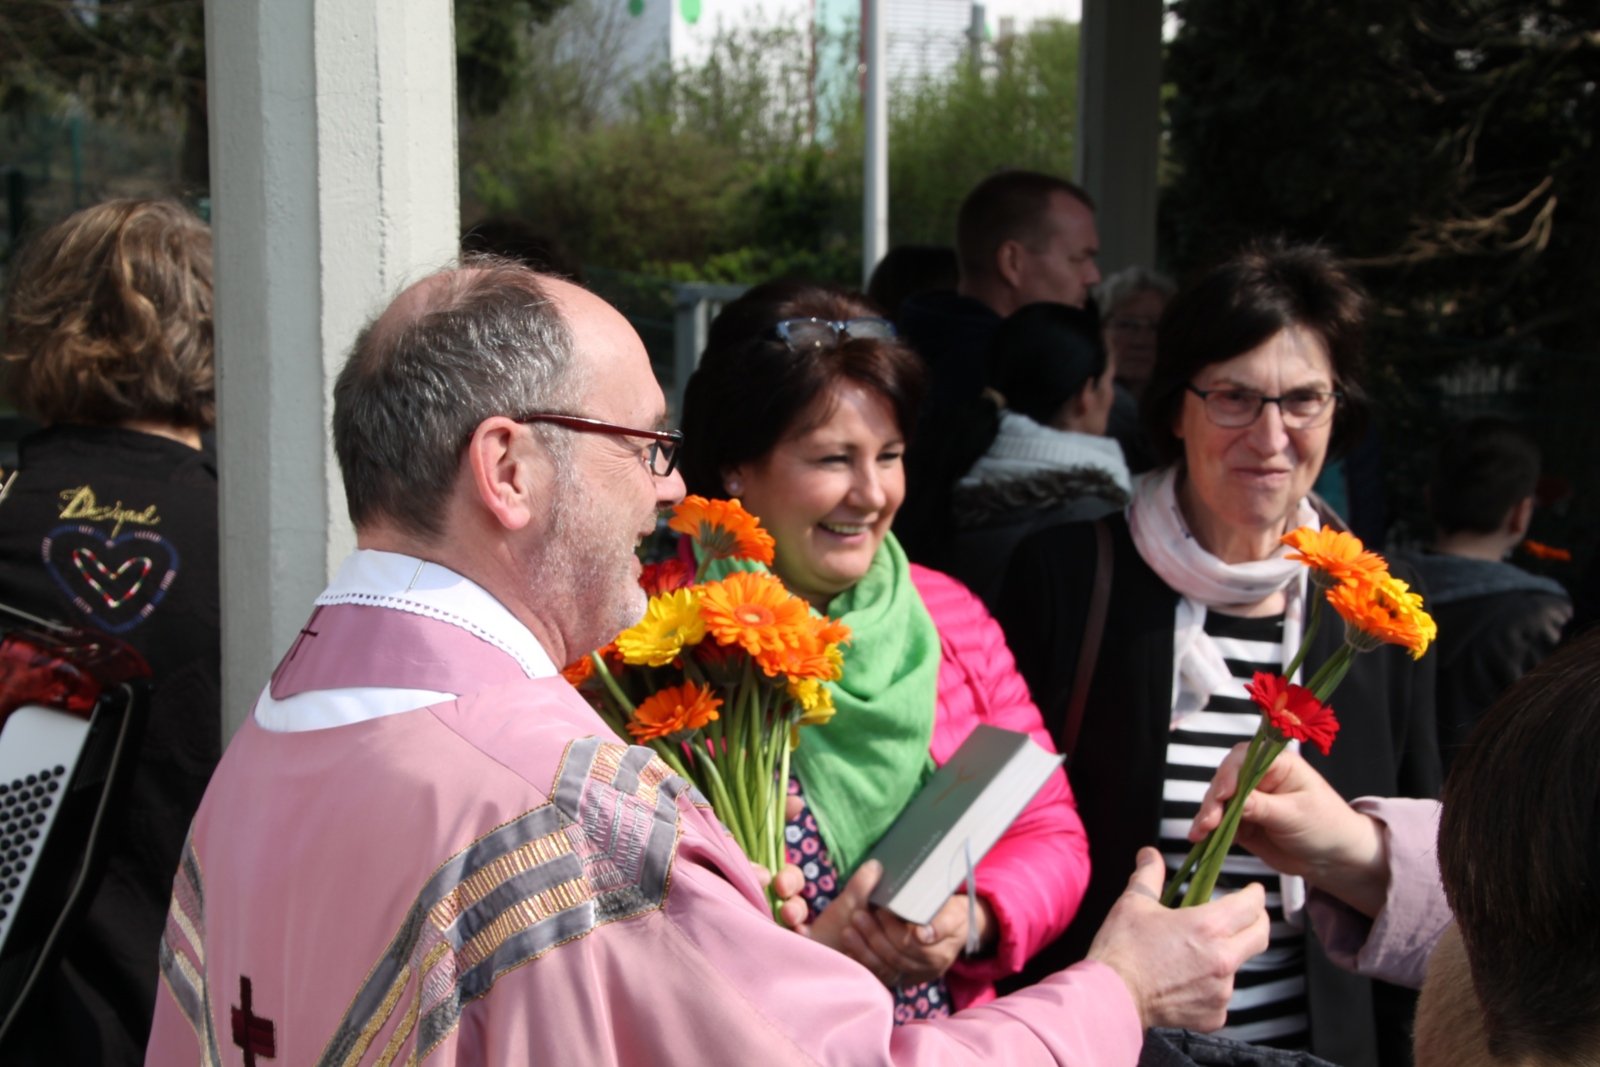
(952, 334)
(1496, 622)
(66, 560)
(1386, 744)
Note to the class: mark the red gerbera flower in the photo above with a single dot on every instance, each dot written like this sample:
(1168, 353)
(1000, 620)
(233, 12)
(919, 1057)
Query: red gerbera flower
(1293, 711)
(666, 576)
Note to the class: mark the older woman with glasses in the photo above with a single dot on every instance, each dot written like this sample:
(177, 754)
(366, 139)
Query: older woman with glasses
(801, 408)
(1256, 381)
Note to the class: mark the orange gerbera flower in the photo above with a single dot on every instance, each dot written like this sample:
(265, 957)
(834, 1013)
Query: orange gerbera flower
(578, 671)
(723, 529)
(808, 659)
(753, 611)
(674, 710)
(1383, 610)
(1293, 711)
(1334, 555)
(1539, 550)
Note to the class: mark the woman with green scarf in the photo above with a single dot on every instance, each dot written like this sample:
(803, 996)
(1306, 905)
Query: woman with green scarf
(801, 408)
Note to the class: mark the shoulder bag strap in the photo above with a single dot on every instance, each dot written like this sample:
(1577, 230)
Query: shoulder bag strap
(1094, 628)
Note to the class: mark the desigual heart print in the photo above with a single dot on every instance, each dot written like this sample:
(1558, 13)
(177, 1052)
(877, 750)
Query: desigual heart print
(116, 582)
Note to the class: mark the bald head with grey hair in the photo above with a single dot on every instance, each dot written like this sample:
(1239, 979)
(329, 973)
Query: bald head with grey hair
(452, 350)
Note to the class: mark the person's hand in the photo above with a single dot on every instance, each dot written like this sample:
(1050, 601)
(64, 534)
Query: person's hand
(1298, 824)
(837, 920)
(1179, 964)
(789, 881)
(899, 952)
(786, 886)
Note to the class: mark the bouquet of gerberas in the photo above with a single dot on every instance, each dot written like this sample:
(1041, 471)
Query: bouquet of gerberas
(1377, 608)
(719, 676)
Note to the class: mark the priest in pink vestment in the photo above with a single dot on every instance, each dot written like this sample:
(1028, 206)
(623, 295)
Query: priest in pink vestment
(424, 846)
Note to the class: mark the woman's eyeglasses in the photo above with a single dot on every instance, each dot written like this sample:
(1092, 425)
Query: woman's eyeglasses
(1302, 409)
(661, 455)
(801, 334)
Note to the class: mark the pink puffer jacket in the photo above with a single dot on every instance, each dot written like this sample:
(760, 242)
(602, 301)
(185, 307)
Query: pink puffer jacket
(1035, 875)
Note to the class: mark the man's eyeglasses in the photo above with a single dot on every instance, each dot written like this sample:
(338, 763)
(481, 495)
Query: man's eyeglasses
(801, 334)
(1302, 409)
(661, 456)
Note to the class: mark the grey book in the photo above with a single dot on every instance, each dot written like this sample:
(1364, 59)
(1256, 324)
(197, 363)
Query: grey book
(960, 813)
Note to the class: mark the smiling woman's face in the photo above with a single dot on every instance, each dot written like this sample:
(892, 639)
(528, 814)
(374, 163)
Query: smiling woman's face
(828, 494)
(1242, 483)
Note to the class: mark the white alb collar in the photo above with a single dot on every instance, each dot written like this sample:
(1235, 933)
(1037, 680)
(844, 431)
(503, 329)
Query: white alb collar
(406, 583)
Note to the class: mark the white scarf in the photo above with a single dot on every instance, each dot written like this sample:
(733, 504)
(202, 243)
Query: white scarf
(1164, 542)
(1202, 580)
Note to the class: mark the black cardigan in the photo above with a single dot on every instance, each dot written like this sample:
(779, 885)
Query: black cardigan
(1386, 744)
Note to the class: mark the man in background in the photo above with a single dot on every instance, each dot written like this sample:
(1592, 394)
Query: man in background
(1496, 620)
(1022, 237)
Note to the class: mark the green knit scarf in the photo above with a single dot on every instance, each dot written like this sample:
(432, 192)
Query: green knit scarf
(861, 769)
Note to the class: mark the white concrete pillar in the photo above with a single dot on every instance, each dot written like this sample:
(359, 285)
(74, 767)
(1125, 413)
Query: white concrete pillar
(1119, 127)
(875, 159)
(333, 182)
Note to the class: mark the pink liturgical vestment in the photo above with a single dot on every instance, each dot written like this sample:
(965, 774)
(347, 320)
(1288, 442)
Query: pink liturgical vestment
(498, 880)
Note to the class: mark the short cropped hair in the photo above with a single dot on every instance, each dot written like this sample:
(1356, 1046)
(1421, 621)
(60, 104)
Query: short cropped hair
(1484, 467)
(1009, 206)
(1129, 282)
(752, 390)
(1239, 306)
(108, 318)
(410, 395)
(1043, 355)
(1519, 853)
(907, 270)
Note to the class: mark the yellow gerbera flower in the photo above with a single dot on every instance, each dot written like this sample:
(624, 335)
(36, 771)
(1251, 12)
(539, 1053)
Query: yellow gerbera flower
(671, 622)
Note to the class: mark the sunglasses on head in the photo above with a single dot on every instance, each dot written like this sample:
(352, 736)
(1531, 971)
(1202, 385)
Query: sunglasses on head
(800, 334)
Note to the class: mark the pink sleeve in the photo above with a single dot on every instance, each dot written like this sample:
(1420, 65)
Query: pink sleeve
(1395, 946)
(832, 1010)
(1034, 877)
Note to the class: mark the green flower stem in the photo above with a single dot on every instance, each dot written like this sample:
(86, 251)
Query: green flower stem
(723, 803)
(780, 791)
(669, 752)
(1332, 673)
(624, 705)
(1202, 848)
(1205, 879)
(1311, 632)
(1169, 895)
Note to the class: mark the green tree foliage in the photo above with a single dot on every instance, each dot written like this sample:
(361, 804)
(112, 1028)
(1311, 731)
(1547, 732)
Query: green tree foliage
(1448, 146)
(142, 62)
(1019, 110)
(742, 167)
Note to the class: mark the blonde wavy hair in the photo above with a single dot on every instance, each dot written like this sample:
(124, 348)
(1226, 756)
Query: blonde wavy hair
(108, 318)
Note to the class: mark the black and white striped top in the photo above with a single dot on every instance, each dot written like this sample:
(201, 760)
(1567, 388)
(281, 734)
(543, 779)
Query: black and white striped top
(1269, 997)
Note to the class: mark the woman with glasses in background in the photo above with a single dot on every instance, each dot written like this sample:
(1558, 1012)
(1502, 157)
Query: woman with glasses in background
(1256, 381)
(801, 408)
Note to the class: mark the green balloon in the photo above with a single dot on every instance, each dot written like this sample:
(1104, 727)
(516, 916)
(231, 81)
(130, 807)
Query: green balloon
(635, 8)
(691, 10)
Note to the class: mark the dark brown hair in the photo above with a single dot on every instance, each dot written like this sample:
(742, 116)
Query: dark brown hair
(108, 318)
(1239, 306)
(751, 390)
(1519, 852)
